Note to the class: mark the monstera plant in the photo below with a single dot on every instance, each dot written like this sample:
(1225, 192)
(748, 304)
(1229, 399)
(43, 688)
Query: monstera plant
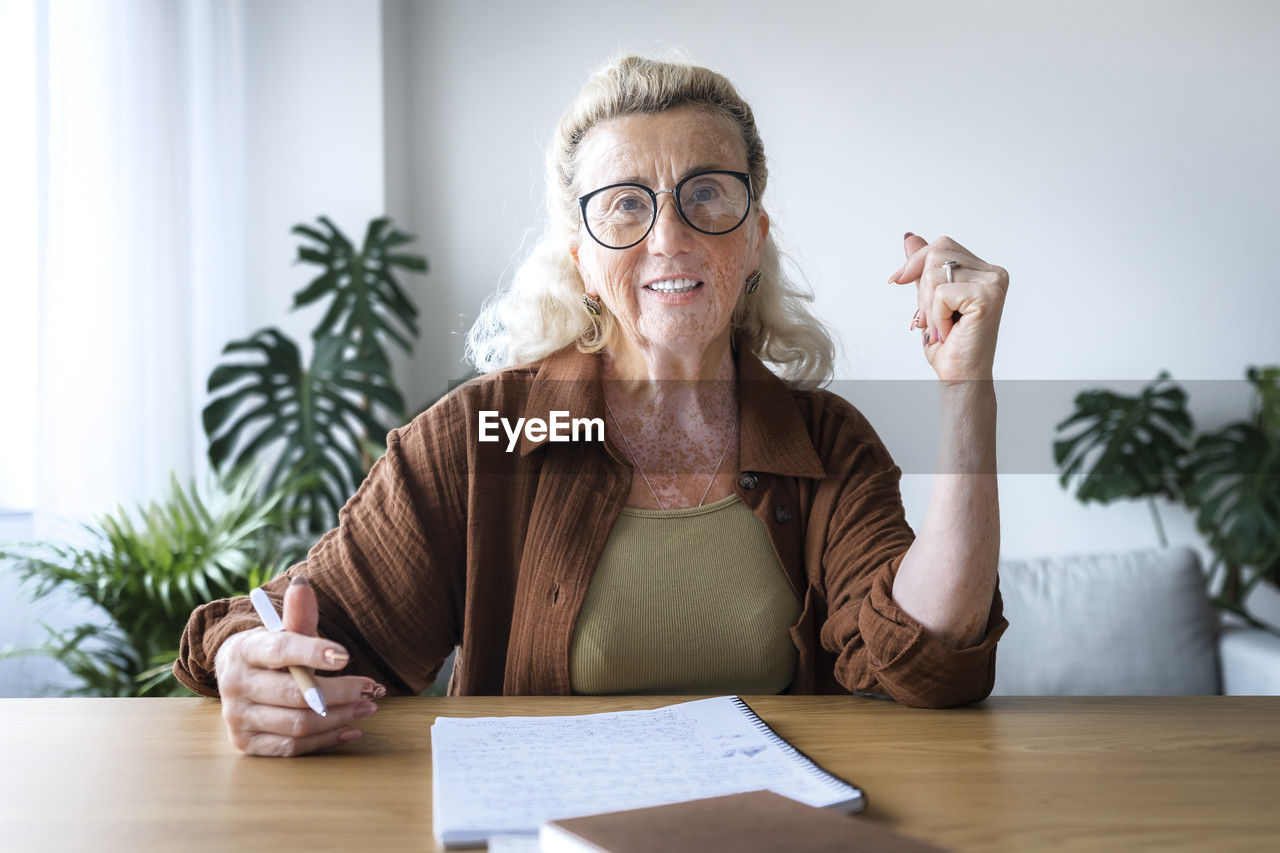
(1143, 447)
(319, 425)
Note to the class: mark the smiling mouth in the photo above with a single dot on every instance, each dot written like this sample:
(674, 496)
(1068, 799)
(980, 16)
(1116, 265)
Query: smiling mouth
(675, 285)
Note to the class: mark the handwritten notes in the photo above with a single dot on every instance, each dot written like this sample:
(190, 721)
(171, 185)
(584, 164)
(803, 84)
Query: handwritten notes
(511, 774)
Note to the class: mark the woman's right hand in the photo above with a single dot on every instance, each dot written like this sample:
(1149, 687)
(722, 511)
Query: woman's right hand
(262, 706)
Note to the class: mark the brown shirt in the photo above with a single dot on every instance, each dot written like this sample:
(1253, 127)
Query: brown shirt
(452, 541)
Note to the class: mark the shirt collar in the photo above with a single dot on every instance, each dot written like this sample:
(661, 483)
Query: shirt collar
(772, 435)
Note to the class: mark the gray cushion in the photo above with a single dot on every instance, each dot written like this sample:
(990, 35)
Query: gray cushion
(1136, 623)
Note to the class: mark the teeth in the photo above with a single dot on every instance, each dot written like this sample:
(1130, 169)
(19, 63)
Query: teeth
(674, 285)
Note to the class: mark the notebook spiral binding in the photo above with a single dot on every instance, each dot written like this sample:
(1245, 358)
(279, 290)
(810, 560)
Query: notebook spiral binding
(761, 726)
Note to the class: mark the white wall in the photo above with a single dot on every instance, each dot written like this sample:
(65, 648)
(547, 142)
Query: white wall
(1118, 159)
(313, 139)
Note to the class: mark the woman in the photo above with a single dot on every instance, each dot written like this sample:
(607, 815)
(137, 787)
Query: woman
(763, 546)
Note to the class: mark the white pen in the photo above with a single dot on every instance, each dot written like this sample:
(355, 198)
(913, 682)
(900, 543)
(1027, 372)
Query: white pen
(306, 681)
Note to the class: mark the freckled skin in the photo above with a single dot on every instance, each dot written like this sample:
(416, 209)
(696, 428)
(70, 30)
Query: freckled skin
(670, 377)
(678, 431)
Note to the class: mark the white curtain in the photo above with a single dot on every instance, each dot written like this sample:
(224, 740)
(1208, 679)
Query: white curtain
(131, 272)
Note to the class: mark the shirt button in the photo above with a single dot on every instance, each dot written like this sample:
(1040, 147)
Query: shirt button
(748, 480)
(783, 514)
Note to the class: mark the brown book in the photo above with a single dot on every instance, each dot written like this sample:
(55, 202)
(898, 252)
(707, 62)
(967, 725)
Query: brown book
(744, 823)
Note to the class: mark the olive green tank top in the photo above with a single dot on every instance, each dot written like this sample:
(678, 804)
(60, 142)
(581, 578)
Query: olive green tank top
(686, 601)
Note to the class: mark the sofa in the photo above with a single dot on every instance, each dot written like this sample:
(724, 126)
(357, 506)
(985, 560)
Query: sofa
(1131, 623)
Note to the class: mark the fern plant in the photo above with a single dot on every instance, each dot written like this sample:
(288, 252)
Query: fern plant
(323, 424)
(1141, 447)
(147, 570)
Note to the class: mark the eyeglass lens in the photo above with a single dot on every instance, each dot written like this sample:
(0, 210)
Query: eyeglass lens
(713, 203)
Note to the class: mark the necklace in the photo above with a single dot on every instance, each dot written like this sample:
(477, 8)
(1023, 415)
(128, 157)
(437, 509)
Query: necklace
(636, 459)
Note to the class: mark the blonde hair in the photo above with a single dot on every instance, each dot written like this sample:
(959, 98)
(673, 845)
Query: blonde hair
(542, 312)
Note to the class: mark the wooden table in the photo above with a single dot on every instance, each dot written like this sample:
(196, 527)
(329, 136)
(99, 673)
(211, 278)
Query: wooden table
(1193, 773)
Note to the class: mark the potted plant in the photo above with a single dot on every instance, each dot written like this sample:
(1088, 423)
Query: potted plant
(147, 570)
(315, 428)
(1127, 447)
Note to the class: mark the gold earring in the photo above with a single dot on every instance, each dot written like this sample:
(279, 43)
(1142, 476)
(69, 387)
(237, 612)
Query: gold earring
(753, 281)
(592, 306)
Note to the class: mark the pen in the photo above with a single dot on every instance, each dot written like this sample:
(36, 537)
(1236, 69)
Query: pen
(305, 680)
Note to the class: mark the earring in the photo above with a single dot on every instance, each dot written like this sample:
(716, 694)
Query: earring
(592, 306)
(753, 281)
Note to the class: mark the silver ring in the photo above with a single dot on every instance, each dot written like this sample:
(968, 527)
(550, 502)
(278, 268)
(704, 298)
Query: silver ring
(950, 267)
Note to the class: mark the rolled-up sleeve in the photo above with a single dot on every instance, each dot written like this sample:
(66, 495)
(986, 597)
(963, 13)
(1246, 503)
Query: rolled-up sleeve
(879, 648)
(916, 669)
(389, 579)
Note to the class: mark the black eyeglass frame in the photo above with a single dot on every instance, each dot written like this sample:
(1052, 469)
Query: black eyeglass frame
(675, 197)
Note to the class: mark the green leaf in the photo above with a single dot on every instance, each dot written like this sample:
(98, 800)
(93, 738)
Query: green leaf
(373, 234)
(1233, 479)
(396, 238)
(322, 258)
(336, 237)
(1127, 447)
(307, 231)
(410, 262)
(360, 309)
(315, 290)
(338, 396)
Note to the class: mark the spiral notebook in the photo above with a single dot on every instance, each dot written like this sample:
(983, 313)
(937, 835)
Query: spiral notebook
(509, 775)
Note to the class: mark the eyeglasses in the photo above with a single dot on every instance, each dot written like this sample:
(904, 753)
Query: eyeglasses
(620, 216)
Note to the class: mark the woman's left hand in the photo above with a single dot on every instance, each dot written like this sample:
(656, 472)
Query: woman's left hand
(960, 318)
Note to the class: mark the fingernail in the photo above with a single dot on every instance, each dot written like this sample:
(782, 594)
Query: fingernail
(349, 735)
(364, 709)
(934, 336)
(336, 657)
(905, 236)
(893, 279)
(299, 580)
(914, 319)
(379, 691)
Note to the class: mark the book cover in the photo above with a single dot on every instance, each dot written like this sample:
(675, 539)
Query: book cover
(745, 823)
